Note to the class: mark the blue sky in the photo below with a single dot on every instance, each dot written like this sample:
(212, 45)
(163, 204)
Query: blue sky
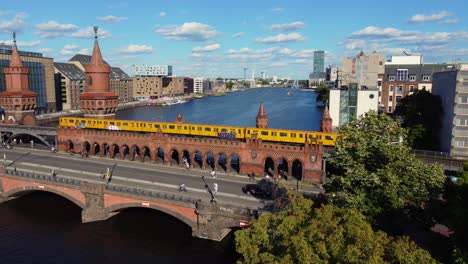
(220, 38)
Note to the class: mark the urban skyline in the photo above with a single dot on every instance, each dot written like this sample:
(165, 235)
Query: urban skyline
(204, 39)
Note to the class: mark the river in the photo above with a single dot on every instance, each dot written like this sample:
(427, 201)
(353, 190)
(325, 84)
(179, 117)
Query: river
(45, 228)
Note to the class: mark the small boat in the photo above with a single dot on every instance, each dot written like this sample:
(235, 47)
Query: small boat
(173, 102)
(289, 94)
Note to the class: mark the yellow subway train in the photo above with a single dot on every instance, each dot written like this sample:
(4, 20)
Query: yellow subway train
(218, 131)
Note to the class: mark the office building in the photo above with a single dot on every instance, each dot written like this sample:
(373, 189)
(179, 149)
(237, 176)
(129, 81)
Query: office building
(70, 83)
(362, 69)
(155, 87)
(405, 74)
(198, 85)
(348, 102)
(319, 61)
(152, 70)
(452, 87)
(41, 76)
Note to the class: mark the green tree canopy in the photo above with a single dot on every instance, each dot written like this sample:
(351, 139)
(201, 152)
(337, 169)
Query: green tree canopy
(301, 234)
(375, 170)
(421, 113)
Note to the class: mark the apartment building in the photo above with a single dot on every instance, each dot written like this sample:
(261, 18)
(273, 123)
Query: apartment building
(70, 83)
(452, 87)
(363, 69)
(152, 70)
(405, 74)
(155, 87)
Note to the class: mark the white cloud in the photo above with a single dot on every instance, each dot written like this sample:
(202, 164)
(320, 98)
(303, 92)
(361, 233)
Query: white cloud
(53, 29)
(111, 19)
(420, 18)
(291, 37)
(190, 31)
(196, 55)
(46, 51)
(17, 24)
(207, 48)
(69, 49)
(135, 49)
(277, 10)
(85, 51)
(89, 33)
(22, 43)
(238, 35)
(162, 14)
(451, 21)
(287, 27)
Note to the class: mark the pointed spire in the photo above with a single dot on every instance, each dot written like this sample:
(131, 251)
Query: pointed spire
(96, 59)
(261, 110)
(15, 56)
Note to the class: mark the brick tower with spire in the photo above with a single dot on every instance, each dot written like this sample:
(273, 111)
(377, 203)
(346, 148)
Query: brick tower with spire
(98, 100)
(326, 121)
(262, 118)
(17, 100)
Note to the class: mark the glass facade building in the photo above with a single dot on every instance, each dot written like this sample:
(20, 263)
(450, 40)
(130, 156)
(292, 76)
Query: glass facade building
(36, 80)
(348, 104)
(319, 61)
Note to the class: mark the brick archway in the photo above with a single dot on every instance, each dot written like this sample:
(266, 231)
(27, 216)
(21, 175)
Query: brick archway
(188, 215)
(28, 189)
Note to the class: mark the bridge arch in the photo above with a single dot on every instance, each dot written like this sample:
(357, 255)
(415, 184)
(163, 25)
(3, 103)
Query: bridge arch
(40, 138)
(235, 162)
(269, 166)
(28, 189)
(174, 156)
(198, 158)
(297, 169)
(222, 161)
(115, 150)
(123, 206)
(283, 167)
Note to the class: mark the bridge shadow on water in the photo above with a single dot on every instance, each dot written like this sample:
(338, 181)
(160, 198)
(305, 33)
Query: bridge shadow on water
(44, 228)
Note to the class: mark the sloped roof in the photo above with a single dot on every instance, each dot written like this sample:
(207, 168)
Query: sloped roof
(117, 73)
(71, 71)
(83, 59)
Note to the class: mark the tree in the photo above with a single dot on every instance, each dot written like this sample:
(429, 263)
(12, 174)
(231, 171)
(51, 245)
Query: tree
(422, 116)
(301, 234)
(229, 84)
(375, 171)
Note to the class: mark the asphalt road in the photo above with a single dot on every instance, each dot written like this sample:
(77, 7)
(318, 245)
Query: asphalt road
(132, 173)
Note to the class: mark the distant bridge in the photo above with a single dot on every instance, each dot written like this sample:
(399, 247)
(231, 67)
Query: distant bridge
(47, 135)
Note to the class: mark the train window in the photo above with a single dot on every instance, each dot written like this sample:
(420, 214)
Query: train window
(94, 122)
(293, 135)
(157, 126)
(301, 135)
(171, 126)
(215, 129)
(329, 137)
(71, 121)
(193, 128)
(273, 134)
(265, 133)
(185, 127)
(112, 123)
(124, 124)
(105, 123)
(283, 134)
(207, 128)
(224, 130)
(118, 123)
(248, 131)
(239, 131)
(199, 128)
(149, 125)
(83, 121)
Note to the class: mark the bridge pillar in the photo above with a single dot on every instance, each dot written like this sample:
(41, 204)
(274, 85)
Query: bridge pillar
(94, 194)
(228, 166)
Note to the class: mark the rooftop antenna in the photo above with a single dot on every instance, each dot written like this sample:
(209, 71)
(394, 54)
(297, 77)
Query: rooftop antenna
(406, 53)
(14, 38)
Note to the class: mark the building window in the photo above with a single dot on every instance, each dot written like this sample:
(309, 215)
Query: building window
(412, 78)
(389, 109)
(380, 63)
(411, 88)
(390, 88)
(402, 74)
(398, 99)
(463, 121)
(379, 83)
(399, 89)
(425, 78)
(464, 99)
(391, 77)
(461, 143)
(390, 98)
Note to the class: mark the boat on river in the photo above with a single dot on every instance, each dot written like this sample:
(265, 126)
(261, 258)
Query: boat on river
(173, 102)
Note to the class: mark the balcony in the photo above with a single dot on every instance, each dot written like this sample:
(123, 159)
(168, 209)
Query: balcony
(460, 133)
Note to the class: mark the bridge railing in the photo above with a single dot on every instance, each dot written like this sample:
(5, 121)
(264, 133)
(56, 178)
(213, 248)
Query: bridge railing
(431, 154)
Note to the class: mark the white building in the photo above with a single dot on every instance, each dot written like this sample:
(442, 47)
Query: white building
(405, 60)
(152, 70)
(350, 102)
(198, 85)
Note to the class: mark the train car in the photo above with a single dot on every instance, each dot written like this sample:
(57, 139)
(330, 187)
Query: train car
(225, 132)
(277, 135)
(327, 138)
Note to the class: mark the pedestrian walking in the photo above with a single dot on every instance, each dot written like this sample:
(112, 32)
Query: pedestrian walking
(182, 188)
(213, 174)
(21, 141)
(215, 188)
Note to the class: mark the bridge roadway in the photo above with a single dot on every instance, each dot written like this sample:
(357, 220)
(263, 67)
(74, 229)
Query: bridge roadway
(131, 173)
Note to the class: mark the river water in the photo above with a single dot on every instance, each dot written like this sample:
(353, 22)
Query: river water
(45, 228)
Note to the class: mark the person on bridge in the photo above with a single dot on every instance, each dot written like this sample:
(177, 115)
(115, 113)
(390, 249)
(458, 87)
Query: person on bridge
(215, 189)
(182, 188)
(54, 173)
(213, 174)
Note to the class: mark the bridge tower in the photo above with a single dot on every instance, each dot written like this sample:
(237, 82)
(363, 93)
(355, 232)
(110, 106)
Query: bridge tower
(326, 121)
(17, 100)
(262, 118)
(98, 100)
